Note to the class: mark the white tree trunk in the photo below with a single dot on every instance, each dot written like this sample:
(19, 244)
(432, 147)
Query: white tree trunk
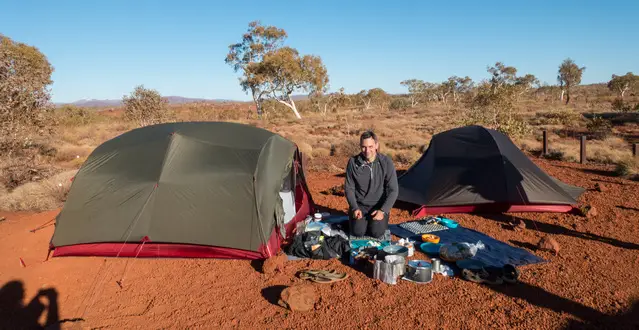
(292, 106)
(413, 101)
(623, 91)
(561, 98)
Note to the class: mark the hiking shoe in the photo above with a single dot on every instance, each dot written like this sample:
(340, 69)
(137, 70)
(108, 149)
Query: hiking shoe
(481, 276)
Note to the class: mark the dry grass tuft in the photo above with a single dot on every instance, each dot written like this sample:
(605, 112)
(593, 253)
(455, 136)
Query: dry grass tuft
(68, 153)
(612, 150)
(38, 196)
(628, 167)
(347, 148)
(531, 145)
(321, 152)
(406, 157)
(305, 148)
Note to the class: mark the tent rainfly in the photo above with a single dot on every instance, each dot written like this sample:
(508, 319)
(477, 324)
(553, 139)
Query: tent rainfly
(476, 169)
(188, 189)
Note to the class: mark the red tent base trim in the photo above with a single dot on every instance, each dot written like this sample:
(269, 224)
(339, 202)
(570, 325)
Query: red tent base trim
(174, 250)
(154, 250)
(490, 208)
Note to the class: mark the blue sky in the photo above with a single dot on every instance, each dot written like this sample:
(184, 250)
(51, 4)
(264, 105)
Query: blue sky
(103, 49)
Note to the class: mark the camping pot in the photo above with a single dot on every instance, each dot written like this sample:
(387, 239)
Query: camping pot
(419, 271)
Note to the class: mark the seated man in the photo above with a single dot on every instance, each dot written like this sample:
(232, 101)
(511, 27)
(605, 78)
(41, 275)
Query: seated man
(371, 188)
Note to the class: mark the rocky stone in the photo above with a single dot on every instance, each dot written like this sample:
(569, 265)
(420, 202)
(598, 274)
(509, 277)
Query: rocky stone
(600, 187)
(274, 264)
(298, 298)
(549, 244)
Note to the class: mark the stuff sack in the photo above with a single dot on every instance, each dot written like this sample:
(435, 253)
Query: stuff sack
(314, 245)
(459, 251)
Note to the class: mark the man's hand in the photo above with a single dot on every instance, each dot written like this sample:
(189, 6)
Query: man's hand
(357, 214)
(378, 215)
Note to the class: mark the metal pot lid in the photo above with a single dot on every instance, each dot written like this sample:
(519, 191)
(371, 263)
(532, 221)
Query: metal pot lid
(420, 264)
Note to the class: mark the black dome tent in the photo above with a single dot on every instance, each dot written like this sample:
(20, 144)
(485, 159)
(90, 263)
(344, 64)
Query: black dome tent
(476, 169)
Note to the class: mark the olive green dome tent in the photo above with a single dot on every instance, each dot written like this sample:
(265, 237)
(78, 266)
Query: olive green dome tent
(189, 189)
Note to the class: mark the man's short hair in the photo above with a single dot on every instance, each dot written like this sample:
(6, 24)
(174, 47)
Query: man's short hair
(367, 135)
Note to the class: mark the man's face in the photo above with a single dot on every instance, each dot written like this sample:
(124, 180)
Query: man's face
(369, 148)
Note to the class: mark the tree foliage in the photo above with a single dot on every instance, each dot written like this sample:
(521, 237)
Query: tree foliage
(333, 101)
(495, 101)
(569, 76)
(373, 97)
(501, 75)
(458, 86)
(25, 74)
(623, 84)
(273, 71)
(145, 106)
(416, 90)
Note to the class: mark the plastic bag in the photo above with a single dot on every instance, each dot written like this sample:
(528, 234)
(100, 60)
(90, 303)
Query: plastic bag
(459, 251)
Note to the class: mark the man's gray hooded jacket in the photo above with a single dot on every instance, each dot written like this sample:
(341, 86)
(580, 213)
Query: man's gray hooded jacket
(371, 186)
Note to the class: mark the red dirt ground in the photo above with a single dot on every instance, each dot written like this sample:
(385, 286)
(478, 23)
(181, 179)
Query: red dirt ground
(591, 283)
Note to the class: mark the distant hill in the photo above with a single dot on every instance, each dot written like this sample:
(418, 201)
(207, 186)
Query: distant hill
(114, 103)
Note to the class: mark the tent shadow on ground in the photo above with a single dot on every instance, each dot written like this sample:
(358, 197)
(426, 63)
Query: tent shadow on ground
(15, 315)
(627, 208)
(524, 245)
(557, 230)
(623, 320)
(607, 181)
(589, 317)
(258, 264)
(610, 174)
(272, 293)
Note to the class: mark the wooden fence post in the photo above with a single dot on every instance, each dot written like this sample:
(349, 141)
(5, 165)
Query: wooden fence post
(544, 151)
(582, 154)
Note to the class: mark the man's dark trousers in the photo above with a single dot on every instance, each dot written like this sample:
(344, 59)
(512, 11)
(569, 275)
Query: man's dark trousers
(367, 226)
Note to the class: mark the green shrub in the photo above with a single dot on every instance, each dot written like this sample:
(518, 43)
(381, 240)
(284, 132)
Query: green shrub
(600, 128)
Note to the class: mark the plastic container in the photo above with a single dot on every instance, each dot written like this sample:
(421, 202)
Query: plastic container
(317, 217)
(449, 222)
(430, 238)
(430, 248)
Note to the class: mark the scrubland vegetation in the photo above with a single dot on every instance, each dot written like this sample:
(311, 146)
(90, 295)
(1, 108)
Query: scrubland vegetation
(42, 146)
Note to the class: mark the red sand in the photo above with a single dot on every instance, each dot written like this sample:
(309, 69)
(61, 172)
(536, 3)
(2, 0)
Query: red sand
(592, 282)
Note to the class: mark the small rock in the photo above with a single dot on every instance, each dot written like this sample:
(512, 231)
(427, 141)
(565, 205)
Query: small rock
(600, 187)
(298, 298)
(274, 264)
(549, 244)
(519, 225)
(592, 212)
(576, 226)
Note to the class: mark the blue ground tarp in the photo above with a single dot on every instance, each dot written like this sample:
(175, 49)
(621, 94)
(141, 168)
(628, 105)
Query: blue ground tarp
(496, 253)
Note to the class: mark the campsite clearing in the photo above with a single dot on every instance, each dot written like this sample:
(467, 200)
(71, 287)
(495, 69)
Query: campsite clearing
(592, 281)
